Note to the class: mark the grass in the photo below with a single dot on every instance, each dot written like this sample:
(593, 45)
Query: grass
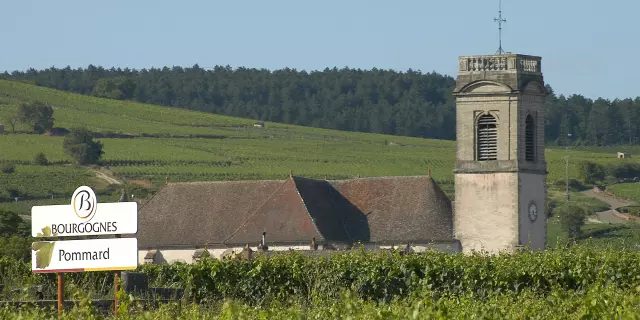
(576, 197)
(629, 191)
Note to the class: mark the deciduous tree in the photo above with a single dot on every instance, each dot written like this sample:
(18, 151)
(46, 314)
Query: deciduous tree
(80, 145)
(37, 115)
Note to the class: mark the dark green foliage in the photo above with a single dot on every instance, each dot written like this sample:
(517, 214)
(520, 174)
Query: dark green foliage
(623, 170)
(12, 224)
(572, 218)
(41, 159)
(16, 247)
(552, 204)
(384, 276)
(79, 144)
(379, 276)
(632, 210)
(7, 167)
(574, 185)
(116, 88)
(37, 115)
(591, 172)
(136, 190)
(379, 101)
(14, 240)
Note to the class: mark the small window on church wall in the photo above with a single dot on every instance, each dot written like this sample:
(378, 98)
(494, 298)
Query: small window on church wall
(529, 139)
(487, 138)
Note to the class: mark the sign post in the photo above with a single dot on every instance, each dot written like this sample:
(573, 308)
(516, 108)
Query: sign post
(84, 217)
(116, 288)
(60, 293)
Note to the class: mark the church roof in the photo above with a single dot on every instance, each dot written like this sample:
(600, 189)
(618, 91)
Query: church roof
(401, 208)
(295, 211)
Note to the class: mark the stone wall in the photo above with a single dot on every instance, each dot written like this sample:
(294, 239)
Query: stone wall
(486, 211)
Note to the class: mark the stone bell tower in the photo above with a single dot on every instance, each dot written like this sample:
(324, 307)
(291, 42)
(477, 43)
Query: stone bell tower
(500, 174)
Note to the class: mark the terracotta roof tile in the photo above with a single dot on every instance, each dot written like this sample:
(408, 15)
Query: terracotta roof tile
(189, 213)
(336, 218)
(283, 217)
(401, 208)
(296, 210)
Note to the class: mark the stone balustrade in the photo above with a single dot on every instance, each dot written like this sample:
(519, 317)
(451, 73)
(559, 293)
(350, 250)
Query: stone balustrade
(500, 62)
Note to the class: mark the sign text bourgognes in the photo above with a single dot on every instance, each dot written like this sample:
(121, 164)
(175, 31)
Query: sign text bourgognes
(84, 216)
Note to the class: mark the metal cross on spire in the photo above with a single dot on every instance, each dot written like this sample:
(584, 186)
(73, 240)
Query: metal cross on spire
(500, 21)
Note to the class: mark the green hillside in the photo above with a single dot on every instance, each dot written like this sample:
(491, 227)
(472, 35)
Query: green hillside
(181, 145)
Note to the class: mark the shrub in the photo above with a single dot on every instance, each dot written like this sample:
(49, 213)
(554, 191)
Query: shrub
(15, 247)
(572, 218)
(591, 172)
(574, 185)
(12, 224)
(551, 207)
(623, 170)
(632, 210)
(8, 168)
(79, 144)
(41, 159)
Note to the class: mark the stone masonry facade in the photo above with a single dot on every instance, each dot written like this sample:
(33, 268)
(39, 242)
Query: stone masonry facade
(491, 205)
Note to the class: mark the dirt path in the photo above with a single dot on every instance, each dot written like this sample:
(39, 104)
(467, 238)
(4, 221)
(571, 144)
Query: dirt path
(609, 216)
(106, 178)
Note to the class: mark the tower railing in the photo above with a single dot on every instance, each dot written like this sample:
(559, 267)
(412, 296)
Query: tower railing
(501, 62)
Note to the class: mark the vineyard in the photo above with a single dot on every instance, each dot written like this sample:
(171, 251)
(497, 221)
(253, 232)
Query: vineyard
(156, 144)
(181, 159)
(629, 191)
(583, 282)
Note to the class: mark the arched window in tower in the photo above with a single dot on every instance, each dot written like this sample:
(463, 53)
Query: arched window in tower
(487, 138)
(529, 139)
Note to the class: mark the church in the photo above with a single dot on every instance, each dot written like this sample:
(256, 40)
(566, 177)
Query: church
(500, 190)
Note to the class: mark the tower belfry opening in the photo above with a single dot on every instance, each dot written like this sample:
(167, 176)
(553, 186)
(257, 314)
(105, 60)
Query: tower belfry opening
(487, 138)
(529, 138)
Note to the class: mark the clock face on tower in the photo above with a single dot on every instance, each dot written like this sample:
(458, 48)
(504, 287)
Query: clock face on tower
(533, 211)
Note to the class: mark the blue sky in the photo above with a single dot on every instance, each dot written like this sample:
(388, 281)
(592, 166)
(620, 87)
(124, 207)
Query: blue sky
(588, 47)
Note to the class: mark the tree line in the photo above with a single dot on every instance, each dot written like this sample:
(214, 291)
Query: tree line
(407, 103)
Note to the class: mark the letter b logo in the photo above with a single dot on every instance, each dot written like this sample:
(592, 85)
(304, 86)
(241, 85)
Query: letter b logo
(84, 202)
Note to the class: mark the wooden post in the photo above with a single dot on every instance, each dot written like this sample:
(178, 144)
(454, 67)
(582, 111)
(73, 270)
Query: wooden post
(116, 288)
(60, 293)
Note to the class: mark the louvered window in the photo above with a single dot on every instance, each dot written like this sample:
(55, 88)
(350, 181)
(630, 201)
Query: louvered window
(487, 138)
(529, 139)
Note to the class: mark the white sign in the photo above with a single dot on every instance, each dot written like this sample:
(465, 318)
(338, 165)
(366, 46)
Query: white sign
(84, 255)
(84, 217)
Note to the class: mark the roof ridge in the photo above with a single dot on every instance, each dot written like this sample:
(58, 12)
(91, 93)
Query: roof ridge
(298, 177)
(384, 177)
(255, 212)
(153, 196)
(222, 181)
